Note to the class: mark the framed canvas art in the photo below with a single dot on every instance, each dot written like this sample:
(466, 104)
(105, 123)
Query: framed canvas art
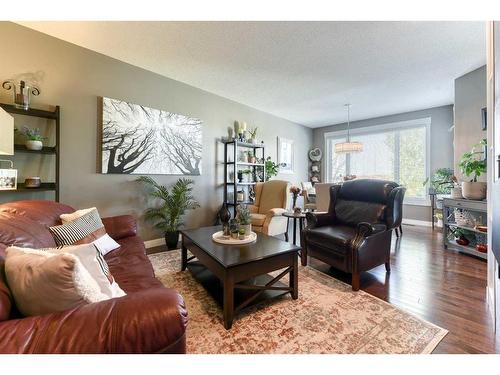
(140, 140)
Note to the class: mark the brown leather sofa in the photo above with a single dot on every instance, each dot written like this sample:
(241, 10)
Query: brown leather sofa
(355, 234)
(149, 319)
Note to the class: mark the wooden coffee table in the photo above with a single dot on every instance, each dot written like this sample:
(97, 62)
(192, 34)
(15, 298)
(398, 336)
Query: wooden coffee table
(237, 275)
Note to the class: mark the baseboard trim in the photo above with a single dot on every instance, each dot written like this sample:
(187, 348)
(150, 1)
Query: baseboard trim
(420, 223)
(154, 243)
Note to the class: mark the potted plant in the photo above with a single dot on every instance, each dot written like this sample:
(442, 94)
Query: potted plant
(245, 219)
(272, 168)
(251, 157)
(473, 164)
(34, 140)
(443, 181)
(461, 236)
(253, 135)
(174, 204)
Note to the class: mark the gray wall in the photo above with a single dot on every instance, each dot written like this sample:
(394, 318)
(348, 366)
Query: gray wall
(470, 97)
(74, 77)
(441, 143)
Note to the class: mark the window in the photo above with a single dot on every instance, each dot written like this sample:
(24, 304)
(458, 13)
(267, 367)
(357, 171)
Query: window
(397, 152)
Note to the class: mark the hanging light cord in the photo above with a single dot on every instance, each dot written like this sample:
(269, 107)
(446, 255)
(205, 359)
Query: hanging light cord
(348, 122)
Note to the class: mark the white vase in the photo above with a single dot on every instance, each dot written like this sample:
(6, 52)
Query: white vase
(34, 145)
(474, 190)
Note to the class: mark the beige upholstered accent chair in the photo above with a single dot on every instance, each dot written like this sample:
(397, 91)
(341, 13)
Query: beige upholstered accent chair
(322, 196)
(271, 200)
(309, 194)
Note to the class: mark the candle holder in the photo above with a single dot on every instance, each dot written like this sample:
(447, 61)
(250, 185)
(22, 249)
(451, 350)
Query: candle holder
(22, 93)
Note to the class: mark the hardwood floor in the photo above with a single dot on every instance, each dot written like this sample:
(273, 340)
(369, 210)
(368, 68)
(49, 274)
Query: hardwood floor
(444, 287)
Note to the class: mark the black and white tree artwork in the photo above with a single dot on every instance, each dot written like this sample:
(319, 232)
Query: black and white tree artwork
(142, 140)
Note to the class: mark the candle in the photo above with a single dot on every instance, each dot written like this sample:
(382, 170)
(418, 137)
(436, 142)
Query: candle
(243, 126)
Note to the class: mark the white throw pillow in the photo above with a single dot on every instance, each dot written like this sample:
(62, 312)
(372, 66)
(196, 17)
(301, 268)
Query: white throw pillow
(43, 282)
(84, 226)
(92, 259)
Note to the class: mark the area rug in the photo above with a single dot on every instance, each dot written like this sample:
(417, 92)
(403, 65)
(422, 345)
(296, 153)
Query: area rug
(328, 317)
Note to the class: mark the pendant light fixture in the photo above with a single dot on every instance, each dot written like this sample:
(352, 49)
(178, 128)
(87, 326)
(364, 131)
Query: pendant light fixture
(348, 146)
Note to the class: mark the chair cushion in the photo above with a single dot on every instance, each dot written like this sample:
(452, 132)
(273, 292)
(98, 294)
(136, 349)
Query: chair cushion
(337, 236)
(258, 219)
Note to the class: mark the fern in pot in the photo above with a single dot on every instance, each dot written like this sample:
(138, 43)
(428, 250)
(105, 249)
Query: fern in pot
(473, 164)
(245, 219)
(174, 203)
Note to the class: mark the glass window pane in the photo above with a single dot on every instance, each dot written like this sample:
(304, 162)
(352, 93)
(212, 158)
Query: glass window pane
(412, 161)
(377, 158)
(337, 162)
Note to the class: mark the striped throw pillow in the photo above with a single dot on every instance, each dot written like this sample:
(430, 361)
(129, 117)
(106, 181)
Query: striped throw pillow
(84, 227)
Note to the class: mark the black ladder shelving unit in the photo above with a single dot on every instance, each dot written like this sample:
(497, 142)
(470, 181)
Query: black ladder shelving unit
(234, 163)
(54, 116)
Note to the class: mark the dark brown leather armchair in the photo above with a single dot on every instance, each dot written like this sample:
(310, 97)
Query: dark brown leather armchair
(355, 234)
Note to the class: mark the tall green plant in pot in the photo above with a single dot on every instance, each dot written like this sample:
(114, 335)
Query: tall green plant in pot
(473, 164)
(174, 203)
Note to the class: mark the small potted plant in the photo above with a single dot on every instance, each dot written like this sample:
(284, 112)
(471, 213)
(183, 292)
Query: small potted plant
(245, 219)
(253, 135)
(251, 157)
(174, 204)
(34, 140)
(461, 236)
(473, 164)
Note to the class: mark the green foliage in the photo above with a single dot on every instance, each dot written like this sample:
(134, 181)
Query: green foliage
(253, 132)
(32, 134)
(442, 180)
(272, 168)
(473, 163)
(244, 216)
(173, 203)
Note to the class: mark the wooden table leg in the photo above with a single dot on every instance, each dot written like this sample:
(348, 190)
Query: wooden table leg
(295, 231)
(183, 257)
(228, 309)
(294, 278)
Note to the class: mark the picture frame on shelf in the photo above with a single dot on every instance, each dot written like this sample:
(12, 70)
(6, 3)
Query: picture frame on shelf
(286, 155)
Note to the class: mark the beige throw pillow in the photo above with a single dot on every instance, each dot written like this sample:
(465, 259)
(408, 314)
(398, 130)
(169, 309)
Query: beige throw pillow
(49, 280)
(43, 282)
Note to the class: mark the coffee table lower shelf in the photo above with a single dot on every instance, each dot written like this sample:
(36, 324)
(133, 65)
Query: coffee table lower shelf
(243, 291)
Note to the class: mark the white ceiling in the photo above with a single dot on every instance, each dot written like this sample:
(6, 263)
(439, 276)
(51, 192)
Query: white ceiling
(301, 71)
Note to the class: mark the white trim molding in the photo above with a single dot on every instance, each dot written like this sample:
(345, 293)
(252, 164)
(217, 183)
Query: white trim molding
(418, 223)
(154, 243)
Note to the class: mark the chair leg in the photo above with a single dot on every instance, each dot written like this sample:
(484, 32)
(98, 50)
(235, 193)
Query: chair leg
(388, 266)
(355, 281)
(397, 233)
(401, 230)
(286, 236)
(303, 257)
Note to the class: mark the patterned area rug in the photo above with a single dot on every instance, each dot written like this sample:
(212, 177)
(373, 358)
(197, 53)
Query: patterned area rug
(328, 317)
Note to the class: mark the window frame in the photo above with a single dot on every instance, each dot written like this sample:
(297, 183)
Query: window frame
(367, 130)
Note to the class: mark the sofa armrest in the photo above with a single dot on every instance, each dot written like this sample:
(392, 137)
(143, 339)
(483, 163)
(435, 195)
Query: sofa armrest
(120, 226)
(148, 321)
